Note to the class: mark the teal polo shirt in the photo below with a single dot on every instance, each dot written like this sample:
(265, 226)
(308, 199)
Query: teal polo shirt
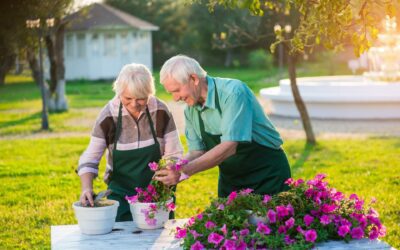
(242, 118)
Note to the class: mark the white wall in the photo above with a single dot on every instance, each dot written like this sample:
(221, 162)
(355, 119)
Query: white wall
(101, 54)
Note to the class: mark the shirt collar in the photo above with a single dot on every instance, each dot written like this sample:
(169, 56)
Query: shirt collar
(210, 99)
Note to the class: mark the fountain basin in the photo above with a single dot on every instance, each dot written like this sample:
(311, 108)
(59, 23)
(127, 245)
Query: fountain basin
(337, 97)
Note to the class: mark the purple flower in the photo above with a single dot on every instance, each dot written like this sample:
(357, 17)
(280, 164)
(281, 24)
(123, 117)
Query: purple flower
(326, 208)
(271, 216)
(310, 235)
(195, 234)
(244, 232)
(343, 230)
(359, 205)
(282, 229)
(180, 233)
(266, 199)
(263, 229)
(151, 221)
(290, 209)
(308, 219)
(210, 224)
(229, 245)
(357, 233)
(246, 191)
(325, 219)
(282, 211)
(215, 238)
(153, 166)
(241, 246)
(199, 216)
(289, 223)
(197, 246)
(221, 207)
(353, 197)
(231, 197)
(374, 234)
(288, 240)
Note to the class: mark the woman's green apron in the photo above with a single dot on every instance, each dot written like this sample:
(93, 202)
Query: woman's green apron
(130, 169)
(253, 165)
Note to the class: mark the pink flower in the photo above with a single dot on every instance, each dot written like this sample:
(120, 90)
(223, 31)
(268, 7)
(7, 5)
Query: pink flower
(288, 240)
(359, 205)
(171, 206)
(271, 216)
(326, 208)
(215, 238)
(266, 199)
(200, 216)
(289, 181)
(298, 182)
(308, 219)
(263, 229)
(343, 230)
(310, 235)
(357, 233)
(353, 197)
(180, 233)
(195, 234)
(229, 245)
(282, 211)
(221, 207)
(153, 166)
(131, 199)
(289, 223)
(210, 224)
(224, 230)
(374, 234)
(246, 191)
(325, 219)
(244, 232)
(231, 197)
(241, 246)
(151, 221)
(282, 229)
(191, 221)
(382, 231)
(197, 246)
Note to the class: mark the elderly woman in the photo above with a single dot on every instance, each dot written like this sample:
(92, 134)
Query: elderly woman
(136, 128)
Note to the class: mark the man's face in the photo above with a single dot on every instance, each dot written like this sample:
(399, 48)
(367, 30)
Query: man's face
(133, 105)
(188, 93)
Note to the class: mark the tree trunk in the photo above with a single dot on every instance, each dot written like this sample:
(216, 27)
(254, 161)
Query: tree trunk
(33, 64)
(228, 58)
(301, 107)
(55, 49)
(6, 62)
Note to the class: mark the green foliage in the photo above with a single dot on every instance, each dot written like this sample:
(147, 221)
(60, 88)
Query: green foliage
(260, 59)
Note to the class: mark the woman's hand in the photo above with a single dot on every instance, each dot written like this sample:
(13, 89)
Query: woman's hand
(167, 176)
(87, 197)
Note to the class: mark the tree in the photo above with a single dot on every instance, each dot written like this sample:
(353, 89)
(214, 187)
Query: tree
(330, 23)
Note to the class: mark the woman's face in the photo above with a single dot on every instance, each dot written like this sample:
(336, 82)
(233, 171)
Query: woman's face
(132, 104)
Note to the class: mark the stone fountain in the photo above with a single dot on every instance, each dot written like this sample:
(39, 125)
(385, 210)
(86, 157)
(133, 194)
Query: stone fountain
(374, 95)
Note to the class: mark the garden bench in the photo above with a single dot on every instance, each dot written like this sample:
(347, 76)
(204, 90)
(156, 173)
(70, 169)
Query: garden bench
(126, 235)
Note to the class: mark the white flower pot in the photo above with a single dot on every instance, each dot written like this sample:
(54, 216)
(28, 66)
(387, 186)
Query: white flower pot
(96, 220)
(161, 216)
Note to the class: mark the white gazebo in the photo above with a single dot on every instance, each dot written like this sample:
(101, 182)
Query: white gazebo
(100, 39)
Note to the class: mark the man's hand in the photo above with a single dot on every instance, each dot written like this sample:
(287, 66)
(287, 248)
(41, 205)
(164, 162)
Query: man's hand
(87, 197)
(167, 176)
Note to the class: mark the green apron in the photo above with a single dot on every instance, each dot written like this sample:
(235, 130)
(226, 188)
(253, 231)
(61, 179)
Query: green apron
(253, 165)
(130, 169)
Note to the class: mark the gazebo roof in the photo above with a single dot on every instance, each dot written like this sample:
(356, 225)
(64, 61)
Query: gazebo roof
(103, 16)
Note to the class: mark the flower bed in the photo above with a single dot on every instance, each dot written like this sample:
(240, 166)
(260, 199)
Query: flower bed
(308, 213)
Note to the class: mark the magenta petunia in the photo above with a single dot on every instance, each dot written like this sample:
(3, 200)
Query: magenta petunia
(373, 234)
(282, 211)
(298, 182)
(289, 223)
(153, 166)
(289, 181)
(308, 219)
(195, 234)
(357, 233)
(209, 224)
(171, 206)
(325, 219)
(180, 233)
(231, 197)
(229, 245)
(343, 230)
(199, 216)
(310, 235)
(224, 230)
(246, 191)
(241, 246)
(271, 216)
(244, 232)
(282, 229)
(328, 208)
(266, 198)
(262, 228)
(215, 238)
(288, 240)
(197, 246)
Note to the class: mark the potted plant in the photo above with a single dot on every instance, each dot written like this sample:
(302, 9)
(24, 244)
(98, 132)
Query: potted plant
(310, 212)
(98, 219)
(150, 207)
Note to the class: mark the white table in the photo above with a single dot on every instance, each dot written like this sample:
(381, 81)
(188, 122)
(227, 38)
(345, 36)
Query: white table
(122, 237)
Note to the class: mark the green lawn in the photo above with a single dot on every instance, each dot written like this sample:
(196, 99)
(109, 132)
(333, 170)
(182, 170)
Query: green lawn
(38, 183)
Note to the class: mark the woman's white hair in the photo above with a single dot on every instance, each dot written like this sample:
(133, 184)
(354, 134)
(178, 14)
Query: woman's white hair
(137, 78)
(180, 68)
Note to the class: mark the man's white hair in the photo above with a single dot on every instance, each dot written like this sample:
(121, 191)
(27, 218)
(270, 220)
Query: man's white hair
(137, 78)
(180, 68)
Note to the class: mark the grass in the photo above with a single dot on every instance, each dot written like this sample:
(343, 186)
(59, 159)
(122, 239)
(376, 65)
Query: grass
(39, 185)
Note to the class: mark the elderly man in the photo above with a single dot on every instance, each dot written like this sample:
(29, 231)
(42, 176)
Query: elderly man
(225, 126)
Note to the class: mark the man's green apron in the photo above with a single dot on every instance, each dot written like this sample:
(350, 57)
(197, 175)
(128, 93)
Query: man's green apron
(253, 165)
(130, 169)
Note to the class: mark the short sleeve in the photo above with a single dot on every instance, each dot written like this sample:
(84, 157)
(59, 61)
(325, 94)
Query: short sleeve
(193, 139)
(237, 114)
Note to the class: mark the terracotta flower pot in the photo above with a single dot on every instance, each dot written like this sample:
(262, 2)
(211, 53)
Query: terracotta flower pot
(96, 220)
(138, 211)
